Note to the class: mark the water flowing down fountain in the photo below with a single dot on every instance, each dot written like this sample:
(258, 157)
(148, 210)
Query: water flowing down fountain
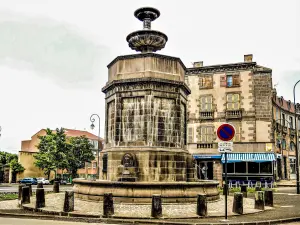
(146, 105)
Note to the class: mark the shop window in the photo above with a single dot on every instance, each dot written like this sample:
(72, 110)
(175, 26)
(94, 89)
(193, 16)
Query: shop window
(283, 144)
(293, 165)
(233, 101)
(266, 167)
(206, 103)
(230, 168)
(253, 167)
(206, 81)
(240, 167)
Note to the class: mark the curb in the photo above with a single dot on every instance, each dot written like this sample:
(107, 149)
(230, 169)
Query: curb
(154, 221)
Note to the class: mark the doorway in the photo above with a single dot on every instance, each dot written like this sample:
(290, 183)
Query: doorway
(285, 167)
(279, 169)
(205, 170)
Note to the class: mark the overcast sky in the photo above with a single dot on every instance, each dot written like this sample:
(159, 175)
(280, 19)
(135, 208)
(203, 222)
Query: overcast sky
(53, 54)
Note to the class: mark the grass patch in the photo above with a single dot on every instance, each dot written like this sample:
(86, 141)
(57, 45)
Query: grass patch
(8, 196)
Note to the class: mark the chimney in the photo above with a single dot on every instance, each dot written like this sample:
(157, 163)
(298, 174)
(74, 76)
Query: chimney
(248, 58)
(198, 64)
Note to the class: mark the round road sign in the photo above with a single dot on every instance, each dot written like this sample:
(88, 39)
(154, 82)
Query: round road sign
(226, 132)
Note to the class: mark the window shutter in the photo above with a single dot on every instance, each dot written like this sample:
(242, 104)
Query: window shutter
(191, 139)
(201, 82)
(236, 80)
(223, 81)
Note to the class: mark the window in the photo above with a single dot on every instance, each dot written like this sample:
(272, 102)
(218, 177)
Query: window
(94, 165)
(283, 119)
(237, 136)
(104, 159)
(206, 103)
(233, 80)
(266, 167)
(292, 146)
(253, 167)
(206, 134)
(206, 81)
(240, 167)
(283, 144)
(233, 101)
(291, 125)
(293, 165)
(191, 135)
(277, 114)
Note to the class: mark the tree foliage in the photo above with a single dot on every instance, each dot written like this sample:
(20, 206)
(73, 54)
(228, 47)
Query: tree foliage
(6, 157)
(80, 151)
(56, 151)
(15, 166)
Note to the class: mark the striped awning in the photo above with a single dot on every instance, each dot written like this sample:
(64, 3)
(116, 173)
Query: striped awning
(248, 157)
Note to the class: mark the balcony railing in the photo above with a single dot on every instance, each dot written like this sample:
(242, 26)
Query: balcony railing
(233, 114)
(206, 115)
(205, 145)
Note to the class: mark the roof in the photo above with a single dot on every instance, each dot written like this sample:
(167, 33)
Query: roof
(77, 133)
(286, 105)
(228, 67)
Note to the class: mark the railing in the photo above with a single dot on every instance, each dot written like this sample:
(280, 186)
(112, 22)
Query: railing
(205, 145)
(206, 115)
(232, 114)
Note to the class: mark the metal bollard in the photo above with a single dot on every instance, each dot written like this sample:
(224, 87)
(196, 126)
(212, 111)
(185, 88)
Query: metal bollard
(201, 205)
(156, 209)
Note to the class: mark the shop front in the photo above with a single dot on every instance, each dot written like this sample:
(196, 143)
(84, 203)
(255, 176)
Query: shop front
(292, 161)
(249, 166)
(208, 167)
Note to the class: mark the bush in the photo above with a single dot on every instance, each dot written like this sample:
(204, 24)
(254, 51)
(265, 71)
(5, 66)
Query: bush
(8, 196)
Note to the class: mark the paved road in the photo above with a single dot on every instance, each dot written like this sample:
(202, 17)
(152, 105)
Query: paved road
(13, 221)
(14, 188)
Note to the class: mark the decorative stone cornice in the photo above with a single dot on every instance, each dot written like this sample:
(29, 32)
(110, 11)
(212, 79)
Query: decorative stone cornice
(222, 68)
(144, 55)
(115, 83)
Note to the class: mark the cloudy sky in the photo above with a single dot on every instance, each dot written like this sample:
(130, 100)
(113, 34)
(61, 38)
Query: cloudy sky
(54, 53)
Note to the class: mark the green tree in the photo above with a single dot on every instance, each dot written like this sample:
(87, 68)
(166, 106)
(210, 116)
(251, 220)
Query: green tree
(80, 151)
(16, 167)
(44, 158)
(6, 157)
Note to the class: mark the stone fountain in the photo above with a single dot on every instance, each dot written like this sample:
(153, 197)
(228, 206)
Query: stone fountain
(145, 129)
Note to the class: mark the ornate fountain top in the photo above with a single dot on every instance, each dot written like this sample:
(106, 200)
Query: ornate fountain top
(147, 40)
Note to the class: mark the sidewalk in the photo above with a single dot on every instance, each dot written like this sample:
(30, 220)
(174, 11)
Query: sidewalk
(286, 183)
(286, 209)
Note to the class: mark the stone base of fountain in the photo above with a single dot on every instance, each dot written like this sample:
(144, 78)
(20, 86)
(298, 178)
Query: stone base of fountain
(141, 192)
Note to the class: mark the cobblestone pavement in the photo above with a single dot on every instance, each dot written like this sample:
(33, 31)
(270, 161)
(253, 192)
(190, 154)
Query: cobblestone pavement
(54, 202)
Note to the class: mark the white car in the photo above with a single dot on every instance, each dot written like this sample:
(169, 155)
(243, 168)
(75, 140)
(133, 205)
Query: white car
(42, 180)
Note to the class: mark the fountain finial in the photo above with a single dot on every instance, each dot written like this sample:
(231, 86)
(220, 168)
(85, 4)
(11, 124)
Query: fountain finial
(147, 40)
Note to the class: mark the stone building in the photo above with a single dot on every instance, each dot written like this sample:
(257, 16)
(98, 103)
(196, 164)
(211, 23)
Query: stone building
(239, 94)
(284, 136)
(28, 149)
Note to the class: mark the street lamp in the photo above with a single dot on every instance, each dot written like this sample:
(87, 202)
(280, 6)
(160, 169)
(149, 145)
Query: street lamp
(296, 146)
(92, 127)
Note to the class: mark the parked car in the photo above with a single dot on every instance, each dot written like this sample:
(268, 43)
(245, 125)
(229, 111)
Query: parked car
(61, 181)
(29, 180)
(42, 180)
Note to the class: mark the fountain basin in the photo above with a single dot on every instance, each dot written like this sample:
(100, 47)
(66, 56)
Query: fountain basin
(141, 192)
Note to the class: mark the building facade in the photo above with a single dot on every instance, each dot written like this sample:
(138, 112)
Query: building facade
(239, 94)
(285, 136)
(28, 149)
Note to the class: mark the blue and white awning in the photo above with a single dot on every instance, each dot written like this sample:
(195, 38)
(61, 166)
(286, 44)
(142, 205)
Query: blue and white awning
(248, 157)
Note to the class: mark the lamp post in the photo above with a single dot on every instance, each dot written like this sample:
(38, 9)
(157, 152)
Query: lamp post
(92, 119)
(297, 141)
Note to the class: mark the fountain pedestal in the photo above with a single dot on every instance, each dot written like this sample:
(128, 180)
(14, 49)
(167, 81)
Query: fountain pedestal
(146, 127)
